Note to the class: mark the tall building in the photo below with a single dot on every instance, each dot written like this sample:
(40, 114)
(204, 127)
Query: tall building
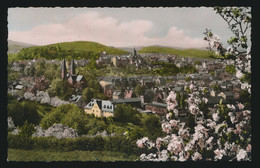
(72, 74)
(72, 67)
(63, 69)
(73, 79)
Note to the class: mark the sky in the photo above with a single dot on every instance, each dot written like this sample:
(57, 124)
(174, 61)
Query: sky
(118, 27)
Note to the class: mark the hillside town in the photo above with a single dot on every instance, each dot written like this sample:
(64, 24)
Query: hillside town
(211, 80)
(106, 84)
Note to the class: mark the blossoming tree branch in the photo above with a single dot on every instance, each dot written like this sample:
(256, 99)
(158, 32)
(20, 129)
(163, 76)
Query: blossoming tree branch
(223, 133)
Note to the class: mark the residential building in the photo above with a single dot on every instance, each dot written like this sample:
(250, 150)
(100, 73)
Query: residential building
(100, 108)
(78, 100)
(157, 108)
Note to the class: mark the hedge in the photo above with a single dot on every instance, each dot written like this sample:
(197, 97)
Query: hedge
(98, 143)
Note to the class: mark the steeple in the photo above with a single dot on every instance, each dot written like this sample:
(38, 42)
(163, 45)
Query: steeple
(72, 67)
(135, 53)
(63, 69)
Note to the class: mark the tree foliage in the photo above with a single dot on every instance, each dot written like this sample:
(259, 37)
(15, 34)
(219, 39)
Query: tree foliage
(24, 111)
(152, 127)
(231, 69)
(27, 129)
(60, 89)
(125, 113)
(139, 89)
(67, 114)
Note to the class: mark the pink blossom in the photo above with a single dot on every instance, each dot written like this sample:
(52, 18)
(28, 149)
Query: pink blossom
(174, 123)
(240, 106)
(193, 108)
(231, 107)
(219, 154)
(196, 156)
(246, 113)
(166, 127)
(205, 100)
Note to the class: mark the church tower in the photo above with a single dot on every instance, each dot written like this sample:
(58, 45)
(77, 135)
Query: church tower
(135, 52)
(72, 67)
(63, 69)
(73, 72)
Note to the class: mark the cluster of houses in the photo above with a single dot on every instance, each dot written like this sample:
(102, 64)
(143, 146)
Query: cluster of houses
(123, 60)
(121, 90)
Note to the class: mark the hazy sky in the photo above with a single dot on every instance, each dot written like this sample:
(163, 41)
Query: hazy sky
(119, 27)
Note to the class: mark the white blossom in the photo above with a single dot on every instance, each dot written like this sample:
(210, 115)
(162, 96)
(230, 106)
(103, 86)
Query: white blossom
(10, 123)
(242, 155)
(232, 117)
(163, 155)
(29, 96)
(231, 107)
(61, 131)
(239, 74)
(240, 106)
(215, 116)
(39, 132)
(196, 156)
(55, 101)
(219, 154)
(176, 112)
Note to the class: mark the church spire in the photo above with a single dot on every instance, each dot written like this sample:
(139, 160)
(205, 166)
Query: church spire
(72, 67)
(135, 53)
(63, 69)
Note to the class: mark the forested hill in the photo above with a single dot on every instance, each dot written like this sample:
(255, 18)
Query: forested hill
(196, 53)
(77, 50)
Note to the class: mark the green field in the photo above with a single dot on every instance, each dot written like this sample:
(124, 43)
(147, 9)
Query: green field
(53, 155)
(196, 53)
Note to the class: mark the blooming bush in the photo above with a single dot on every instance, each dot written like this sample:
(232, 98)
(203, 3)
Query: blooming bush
(57, 130)
(43, 97)
(213, 138)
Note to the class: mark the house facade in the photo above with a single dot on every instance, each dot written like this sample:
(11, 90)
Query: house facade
(100, 108)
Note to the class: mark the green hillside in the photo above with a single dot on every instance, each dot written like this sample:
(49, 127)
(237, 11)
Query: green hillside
(77, 49)
(179, 52)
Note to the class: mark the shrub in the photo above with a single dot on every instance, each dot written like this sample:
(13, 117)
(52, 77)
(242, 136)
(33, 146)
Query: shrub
(98, 143)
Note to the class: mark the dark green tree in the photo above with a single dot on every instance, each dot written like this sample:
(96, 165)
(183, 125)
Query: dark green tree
(152, 127)
(125, 113)
(148, 96)
(26, 130)
(139, 89)
(87, 94)
(20, 112)
(60, 88)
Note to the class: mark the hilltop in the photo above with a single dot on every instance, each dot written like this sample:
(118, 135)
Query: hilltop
(76, 49)
(195, 53)
(15, 46)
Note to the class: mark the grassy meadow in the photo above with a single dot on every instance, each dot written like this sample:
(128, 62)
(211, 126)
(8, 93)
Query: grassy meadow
(195, 53)
(77, 155)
